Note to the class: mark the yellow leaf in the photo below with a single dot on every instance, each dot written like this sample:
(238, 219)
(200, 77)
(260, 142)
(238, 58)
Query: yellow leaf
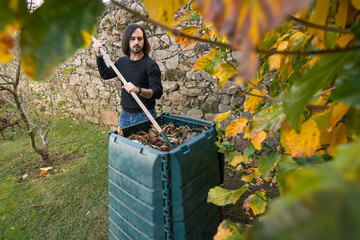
(236, 160)
(258, 139)
(275, 61)
(223, 72)
(342, 13)
(296, 36)
(337, 113)
(318, 16)
(283, 45)
(7, 42)
(247, 132)
(222, 116)
(206, 62)
(163, 11)
(252, 103)
(285, 129)
(192, 31)
(321, 101)
(306, 142)
(339, 137)
(87, 37)
(356, 3)
(248, 178)
(258, 202)
(28, 66)
(236, 127)
(45, 170)
(344, 40)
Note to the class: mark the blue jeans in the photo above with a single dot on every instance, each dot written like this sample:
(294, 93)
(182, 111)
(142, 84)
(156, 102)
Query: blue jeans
(126, 119)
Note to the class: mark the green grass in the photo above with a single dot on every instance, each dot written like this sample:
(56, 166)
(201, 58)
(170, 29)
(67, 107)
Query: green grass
(71, 201)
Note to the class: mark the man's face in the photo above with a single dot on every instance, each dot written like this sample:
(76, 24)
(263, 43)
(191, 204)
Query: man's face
(136, 41)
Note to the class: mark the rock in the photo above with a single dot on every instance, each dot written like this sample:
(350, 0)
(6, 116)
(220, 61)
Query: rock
(195, 113)
(109, 117)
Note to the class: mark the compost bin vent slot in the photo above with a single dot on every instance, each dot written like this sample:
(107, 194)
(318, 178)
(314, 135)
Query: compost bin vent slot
(166, 195)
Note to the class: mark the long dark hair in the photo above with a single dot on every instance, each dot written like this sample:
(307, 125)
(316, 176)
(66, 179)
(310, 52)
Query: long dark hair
(126, 39)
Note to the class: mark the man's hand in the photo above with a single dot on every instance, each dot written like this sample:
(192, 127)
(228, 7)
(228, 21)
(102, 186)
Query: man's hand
(129, 87)
(96, 47)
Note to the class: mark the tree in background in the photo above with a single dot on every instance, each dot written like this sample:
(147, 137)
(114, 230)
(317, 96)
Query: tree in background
(47, 36)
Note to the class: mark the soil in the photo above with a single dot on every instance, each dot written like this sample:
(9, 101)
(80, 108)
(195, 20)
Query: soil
(236, 212)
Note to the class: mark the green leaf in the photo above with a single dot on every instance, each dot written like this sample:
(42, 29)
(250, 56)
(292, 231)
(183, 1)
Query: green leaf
(322, 201)
(355, 28)
(231, 155)
(347, 160)
(258, 203)
(352, 119)
(268, 119)
(228, 230)
(54, 31)
(249, 151)
(12, 11)
(221, 196)
(318, 77)
(224, 146)
(324, 214)
(285, 166)
(348, 88)
(268, 162)
(331, 37)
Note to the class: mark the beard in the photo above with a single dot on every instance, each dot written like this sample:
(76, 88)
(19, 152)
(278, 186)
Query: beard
(136, 49)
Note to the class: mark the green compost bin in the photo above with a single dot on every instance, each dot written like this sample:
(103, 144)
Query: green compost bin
(162, 195)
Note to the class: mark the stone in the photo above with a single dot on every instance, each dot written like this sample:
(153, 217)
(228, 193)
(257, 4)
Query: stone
(237, 100)
(162, 54)
(165, 39)
(211, 104)
(172, 63)
(209, 116)
(175, 97)
(225, 99)
(91, 91)
(154, 42)
(109, 117)
(170, 85)
(92, 119)
(195, 113)
(224, 108)
(194, 92)
(74, 79)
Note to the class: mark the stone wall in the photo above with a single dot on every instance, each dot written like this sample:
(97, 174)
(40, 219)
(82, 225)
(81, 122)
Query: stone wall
(192, 94)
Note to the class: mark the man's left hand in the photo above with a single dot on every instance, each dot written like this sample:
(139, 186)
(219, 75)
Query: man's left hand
(129, 87)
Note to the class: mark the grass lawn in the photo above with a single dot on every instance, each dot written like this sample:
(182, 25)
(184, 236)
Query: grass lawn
(71, 200)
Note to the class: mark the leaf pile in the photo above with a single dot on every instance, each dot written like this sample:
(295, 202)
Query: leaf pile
(176, 135)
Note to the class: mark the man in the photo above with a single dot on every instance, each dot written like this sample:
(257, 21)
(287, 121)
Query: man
(140, 71)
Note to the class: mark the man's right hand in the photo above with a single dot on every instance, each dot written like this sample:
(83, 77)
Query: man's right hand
(96, 47)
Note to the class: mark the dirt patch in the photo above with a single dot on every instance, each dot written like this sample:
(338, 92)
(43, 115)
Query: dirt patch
(57, 165)
(236, 212)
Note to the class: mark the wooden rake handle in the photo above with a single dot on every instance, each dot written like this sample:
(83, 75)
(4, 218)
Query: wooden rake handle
(137, 99)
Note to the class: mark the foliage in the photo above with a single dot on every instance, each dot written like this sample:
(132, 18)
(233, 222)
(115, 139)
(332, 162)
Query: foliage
(310, 105)
(49, 35)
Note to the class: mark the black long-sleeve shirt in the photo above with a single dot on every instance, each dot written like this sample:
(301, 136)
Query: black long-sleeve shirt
(144, 73)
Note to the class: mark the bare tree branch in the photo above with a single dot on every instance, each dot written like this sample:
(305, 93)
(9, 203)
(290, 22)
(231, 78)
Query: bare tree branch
(316, 26)
(305, 53)
(173, 31)
(324, 92)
